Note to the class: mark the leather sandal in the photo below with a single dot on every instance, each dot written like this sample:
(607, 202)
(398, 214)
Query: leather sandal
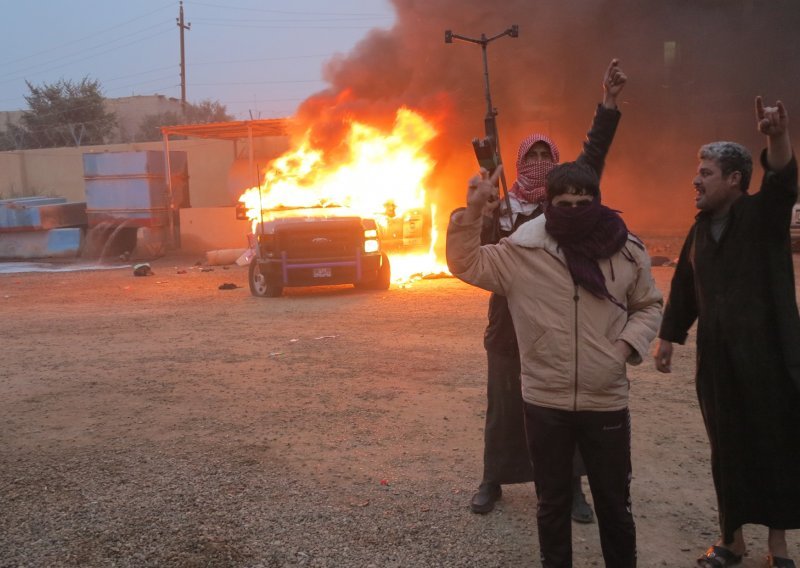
(778, 562)
(719, 557)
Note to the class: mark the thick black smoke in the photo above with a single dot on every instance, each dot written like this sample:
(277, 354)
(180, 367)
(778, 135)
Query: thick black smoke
(694, 68)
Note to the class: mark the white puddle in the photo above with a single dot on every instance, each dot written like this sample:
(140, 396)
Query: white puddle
(17, 267)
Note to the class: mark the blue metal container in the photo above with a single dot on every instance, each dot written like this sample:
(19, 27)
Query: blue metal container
(55, 243)
(132, 188)
(40, 214)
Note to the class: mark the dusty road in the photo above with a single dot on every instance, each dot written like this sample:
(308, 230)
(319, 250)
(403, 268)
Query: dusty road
(161, 421)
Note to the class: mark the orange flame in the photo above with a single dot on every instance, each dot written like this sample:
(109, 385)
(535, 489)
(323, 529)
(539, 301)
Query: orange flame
(383, 177)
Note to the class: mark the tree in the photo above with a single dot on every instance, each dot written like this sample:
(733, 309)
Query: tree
(12, 138)
(203, 112)
(66, 113)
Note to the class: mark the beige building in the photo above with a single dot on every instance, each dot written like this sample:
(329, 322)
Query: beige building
(130, 112)
(219, 170)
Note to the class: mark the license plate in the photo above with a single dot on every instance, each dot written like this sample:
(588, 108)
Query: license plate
(322, 273)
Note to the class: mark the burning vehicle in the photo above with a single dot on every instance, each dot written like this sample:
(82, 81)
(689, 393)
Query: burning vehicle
(322, 218)
(311, 246)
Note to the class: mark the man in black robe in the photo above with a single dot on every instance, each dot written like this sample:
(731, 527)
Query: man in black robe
(735, 277)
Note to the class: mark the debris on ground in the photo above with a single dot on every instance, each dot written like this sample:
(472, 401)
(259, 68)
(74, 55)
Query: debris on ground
(142, 269)
(661, 261)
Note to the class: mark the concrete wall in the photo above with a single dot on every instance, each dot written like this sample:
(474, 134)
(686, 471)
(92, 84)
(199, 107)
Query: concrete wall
(12, 176)
(212, 228)
(59, 171)
(216, 178)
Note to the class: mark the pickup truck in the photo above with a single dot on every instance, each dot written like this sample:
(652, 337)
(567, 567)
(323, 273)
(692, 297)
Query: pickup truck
(314, 246)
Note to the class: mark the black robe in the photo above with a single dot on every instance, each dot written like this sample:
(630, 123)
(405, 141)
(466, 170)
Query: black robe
(741, 291)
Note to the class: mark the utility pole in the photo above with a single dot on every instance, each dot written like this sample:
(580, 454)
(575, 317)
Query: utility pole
(182, 27)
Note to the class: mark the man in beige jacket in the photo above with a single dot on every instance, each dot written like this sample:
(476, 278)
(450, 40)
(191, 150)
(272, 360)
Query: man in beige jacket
(584, 304)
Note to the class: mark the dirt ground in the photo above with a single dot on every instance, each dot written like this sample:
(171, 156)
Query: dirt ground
(162, 421)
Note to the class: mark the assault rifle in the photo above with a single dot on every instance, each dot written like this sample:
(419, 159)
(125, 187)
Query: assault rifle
(487, 149)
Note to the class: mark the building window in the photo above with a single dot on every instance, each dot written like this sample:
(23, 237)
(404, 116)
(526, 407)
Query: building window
(670, 53)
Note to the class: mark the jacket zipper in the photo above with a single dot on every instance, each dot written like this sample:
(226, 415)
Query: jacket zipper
(575, 298)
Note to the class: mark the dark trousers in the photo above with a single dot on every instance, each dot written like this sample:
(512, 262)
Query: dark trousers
(604, 439)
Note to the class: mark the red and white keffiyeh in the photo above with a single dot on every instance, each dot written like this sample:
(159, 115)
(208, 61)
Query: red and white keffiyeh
(529, 186)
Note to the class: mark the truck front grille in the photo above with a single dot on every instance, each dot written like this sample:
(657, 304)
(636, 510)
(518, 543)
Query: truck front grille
(319, 239)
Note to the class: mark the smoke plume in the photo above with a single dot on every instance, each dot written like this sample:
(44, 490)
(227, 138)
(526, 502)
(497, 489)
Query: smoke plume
(694, 68)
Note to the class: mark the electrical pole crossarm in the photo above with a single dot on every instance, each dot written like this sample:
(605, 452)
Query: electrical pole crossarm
(449, 36)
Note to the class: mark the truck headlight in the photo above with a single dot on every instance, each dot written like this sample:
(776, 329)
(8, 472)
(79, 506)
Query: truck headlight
(371, 245)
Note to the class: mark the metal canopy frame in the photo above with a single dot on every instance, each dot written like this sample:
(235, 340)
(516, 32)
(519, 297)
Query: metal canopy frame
(232, 131)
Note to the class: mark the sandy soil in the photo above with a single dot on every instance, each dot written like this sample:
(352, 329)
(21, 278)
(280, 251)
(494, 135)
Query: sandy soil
(161, 421)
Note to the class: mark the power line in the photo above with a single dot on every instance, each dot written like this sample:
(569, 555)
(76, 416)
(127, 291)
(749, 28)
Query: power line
(285, 21)
(107, 81)
(267, 27)
(98, 53)
(266, 100)
(162, 78)
(288, 12)
(91, 36)
(258, 82)
(262, 59)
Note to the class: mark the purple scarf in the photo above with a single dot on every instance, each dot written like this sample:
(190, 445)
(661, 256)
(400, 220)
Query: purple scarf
(587, 234)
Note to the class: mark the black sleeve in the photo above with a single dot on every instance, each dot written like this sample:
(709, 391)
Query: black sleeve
(777, 196)
(599, 138)
(681, 310)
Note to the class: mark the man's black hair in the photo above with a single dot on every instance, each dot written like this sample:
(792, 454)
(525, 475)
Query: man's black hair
(571, 177)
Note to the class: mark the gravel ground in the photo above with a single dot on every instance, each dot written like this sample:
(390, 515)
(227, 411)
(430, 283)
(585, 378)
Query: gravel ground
(163, 422)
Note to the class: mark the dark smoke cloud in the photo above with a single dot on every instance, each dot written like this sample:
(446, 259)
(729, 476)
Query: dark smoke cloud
(549, 79)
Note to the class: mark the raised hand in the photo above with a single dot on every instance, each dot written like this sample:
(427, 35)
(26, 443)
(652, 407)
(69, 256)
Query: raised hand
(772, 120)
(482, 193)
(613, 82)
(614, 79)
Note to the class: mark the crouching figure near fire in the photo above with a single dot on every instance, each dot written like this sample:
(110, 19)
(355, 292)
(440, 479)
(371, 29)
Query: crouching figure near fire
(584, 304)
(735, 277)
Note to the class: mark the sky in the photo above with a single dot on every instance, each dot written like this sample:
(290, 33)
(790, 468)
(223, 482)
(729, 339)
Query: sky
(259, 58)
(324, 63)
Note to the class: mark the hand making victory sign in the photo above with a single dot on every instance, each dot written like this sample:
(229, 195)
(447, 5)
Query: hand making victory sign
(482, 193)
